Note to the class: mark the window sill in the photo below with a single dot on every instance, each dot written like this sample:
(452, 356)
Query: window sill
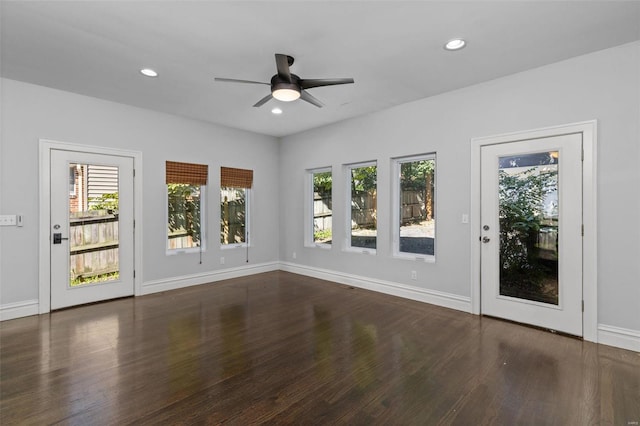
(174, 252)
(233, 246)
(360, 250)
(319, 245)
(427, 258)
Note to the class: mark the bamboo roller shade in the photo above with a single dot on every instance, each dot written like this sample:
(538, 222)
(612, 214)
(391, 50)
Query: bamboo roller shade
(187, 173)
(235, 178)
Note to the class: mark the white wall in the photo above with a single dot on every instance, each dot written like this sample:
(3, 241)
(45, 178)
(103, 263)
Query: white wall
(32, 112)
(604, 85)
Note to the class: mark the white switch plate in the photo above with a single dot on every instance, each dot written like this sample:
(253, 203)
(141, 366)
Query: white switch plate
(8, 220)
(465, 218)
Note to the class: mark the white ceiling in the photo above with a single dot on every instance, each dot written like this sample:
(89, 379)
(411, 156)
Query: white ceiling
(392, 49)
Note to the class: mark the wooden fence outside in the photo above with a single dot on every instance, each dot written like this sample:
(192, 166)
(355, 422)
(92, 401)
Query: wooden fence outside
(232, 223)
(93, 243)
(364, 216)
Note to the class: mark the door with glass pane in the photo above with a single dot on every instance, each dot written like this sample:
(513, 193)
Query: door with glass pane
(531, 236)
(91, 227)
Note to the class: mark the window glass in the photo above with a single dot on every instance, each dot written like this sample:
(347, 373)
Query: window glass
(184, 216)
(363, 202)
(233, 215)
(322, 207)
(415, 205)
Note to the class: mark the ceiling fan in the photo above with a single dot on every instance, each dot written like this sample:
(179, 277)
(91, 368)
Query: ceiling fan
(287, 87)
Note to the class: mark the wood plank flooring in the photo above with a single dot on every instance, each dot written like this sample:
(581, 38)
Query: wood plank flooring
(279, 348)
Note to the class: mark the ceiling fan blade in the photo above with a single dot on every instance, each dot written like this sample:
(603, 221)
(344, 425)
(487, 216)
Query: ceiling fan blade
(319, 82)
(233, 80)
(263, 100)
(305, 96)
(282, 63)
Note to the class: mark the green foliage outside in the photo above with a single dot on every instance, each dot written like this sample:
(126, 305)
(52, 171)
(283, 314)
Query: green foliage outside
(184, 210)
(364, 179)
(413, 174)
(95, 279)
(322, 183)
(322, 235)
(521, 205)
(107, 201)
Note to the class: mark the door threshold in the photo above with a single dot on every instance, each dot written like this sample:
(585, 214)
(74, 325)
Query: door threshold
(66, 308)
(549, 330)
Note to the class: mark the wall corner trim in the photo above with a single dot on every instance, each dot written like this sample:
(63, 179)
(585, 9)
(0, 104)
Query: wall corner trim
(447, 300)
(619, 337)
(26, 308)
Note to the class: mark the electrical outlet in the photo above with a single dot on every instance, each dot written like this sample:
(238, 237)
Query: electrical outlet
(222, 260)
(294, 255)
(8, 220)
(414, 275)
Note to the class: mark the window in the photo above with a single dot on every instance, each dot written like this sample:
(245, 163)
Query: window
(321, 219)
(185, 200)
(72, 180)
(362, 199)
(235, 186)
(414, 206)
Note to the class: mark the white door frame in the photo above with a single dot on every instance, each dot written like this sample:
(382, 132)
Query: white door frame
(44, 246)
(588, 129)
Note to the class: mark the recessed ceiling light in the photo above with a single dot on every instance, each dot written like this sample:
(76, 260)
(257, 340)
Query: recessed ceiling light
(276, 111)
(455, 44)
(148, 72)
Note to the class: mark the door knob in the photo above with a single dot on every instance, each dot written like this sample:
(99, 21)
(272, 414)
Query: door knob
(57, 238)
(485, 240)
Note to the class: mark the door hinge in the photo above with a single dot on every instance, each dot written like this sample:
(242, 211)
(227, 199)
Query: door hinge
(583, 306)
(582, 230)
(134, 172)
(134, 273)
(582, 155)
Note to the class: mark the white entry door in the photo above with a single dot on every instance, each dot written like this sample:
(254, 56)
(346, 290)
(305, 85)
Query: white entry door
(91, 227)
(531, 219)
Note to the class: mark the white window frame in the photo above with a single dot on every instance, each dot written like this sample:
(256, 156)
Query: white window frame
(347, 241)
(309, 240)
(203, 240)
(247, 220)
(395, 210)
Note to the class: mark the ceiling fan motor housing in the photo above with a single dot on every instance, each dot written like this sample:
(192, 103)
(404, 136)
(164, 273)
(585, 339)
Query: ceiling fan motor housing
(278, 83)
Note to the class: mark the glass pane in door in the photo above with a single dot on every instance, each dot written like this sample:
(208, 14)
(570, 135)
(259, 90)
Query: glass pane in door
(529, 211)
(93, 224)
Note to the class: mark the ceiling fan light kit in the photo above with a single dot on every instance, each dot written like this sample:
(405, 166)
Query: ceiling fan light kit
(287, 87)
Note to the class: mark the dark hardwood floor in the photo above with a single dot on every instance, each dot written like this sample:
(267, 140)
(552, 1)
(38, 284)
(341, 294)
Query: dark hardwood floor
(281, 348)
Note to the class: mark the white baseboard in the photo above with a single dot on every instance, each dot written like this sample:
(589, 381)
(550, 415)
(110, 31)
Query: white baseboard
(173, 283)
(619, 337)
(11, 311)
(447, 300)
